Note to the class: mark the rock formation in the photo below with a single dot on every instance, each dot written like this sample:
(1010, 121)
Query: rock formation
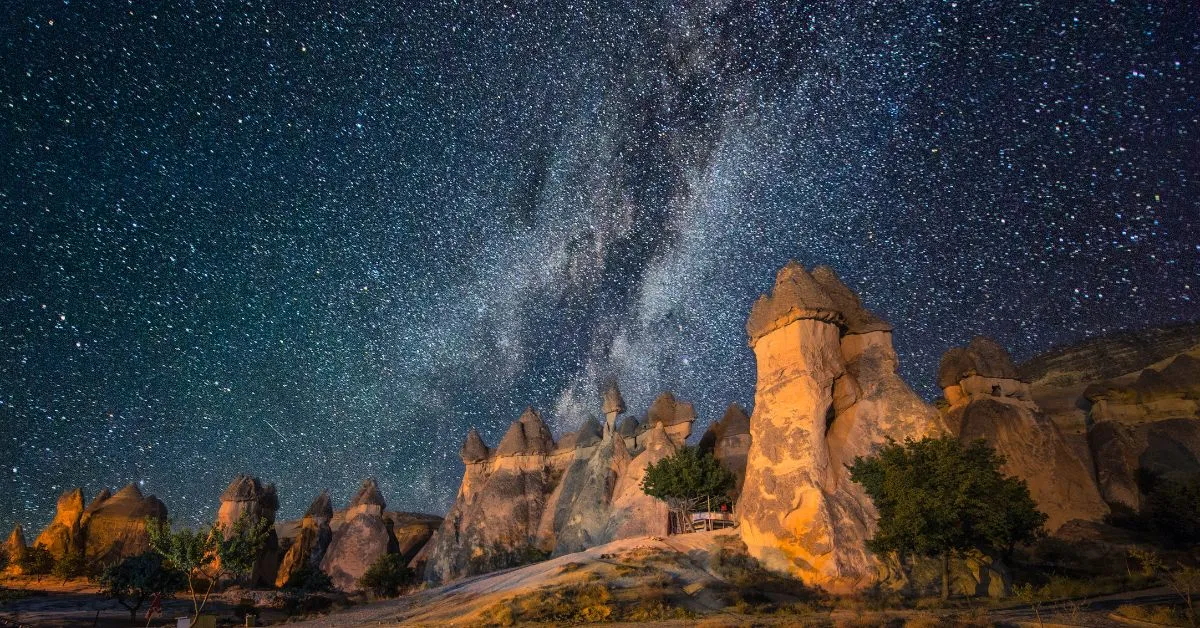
(115, 527)
(1129, 402)
(14, 549)
(531, 497)
(987, 400)
(64, 535)
(308, 548)
(358, 543)
(246, 496)
(827, 391)
(729, 442)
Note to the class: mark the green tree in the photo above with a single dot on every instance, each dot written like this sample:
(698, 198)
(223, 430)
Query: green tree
(37, 561)
(687, 479)
(937, 498)
(137, 578)
(209, 554)
(1172, 508)
(71, 565)
(386, 576)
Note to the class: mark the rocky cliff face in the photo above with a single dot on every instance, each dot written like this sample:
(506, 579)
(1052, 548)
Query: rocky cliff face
(531, 496)
(827, 391)
(115, 526)
(987, 400)
(729, 442)
(64, 535)
(246, 496)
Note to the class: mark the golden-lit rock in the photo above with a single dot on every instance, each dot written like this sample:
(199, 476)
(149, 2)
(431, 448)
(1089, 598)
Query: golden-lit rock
(64, 535)
(115, 527)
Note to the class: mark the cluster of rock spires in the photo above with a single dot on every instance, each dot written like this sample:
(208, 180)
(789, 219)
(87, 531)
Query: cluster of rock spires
(1077, 424)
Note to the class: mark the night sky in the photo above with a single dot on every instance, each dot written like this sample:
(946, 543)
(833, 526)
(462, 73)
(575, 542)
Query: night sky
(318, 241)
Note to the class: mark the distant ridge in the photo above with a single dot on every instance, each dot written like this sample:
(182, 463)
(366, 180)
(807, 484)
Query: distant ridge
(1110, 355)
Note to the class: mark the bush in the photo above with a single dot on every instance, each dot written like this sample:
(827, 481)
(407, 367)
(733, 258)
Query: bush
(70, 566)
(309, 580)
(386, 576)
(1172, 510)
(37, 561)
(137, 578)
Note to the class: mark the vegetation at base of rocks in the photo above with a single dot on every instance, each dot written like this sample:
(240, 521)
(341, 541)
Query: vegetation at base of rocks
(136, 579)
(37, 561)
(687, 479)
(753, 584)
(387, 576)
(207, 555)
(589, 603)
(1155, 614)
(938, 498)
(309, 580)
(72, 565)
(1170, 514)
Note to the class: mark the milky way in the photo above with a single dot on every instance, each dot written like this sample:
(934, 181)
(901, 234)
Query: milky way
(319, 244)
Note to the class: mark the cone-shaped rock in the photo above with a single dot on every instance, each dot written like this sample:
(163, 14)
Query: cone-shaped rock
(116, 525)
(64, 535)
(474, 449)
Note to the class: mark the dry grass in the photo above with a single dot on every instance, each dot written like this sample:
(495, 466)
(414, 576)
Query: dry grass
(1157, 614)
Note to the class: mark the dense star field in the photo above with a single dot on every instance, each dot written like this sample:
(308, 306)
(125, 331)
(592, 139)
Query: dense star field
(319, 244)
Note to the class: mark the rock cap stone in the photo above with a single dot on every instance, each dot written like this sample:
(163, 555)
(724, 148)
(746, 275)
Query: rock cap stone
(668, 411)
(795, 296)
(474, 449)
(613, 402)
(368, 495)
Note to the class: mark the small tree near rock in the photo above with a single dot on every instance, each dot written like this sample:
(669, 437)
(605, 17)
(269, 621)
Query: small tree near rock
(37, 561)
(207, 555)
(687, 479)
(386, 576)
(137, 578)
(937, 498)
(71, 565)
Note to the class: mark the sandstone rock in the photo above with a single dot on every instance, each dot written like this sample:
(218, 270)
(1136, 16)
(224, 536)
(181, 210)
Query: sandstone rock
(14, 549)
(674, 415)
(115, 526)
(798, 511)
(578, 510)
(613, 404)
(1109, 356)
(357, 544)
(64, 535)
(988, 401)
(527, 436)
(246, 496)
(1169, 447)
(634, 513)
(309, 546)
(473, 450)
(729, 441)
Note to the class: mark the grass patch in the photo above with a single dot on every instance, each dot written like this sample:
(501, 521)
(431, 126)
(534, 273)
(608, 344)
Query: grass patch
(1156, 614)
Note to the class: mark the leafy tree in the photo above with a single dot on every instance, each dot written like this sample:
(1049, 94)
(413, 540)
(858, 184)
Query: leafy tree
(37, 561)
(386, 576)
(71, 565)
(937, 498)
(137, 578)
(211, 553)
(686, 479)
(1172, 508)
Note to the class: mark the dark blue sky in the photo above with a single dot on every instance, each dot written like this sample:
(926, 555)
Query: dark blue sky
(317, 242)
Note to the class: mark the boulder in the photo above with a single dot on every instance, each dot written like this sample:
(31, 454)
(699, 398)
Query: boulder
(114, 527)
(363, 539)
(729, 442)
(308, 548)
(246, 496)
(799, 512)
(64, 535)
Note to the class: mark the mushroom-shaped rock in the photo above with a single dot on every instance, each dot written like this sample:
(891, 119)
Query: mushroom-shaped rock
(247, 497)
(527, 435)
(669, 411)
(859, 320)
(729, 441)
(360, 541)
(629, 427)
(795, 296)
(64, 536)
(613, 402)
(368, 496)
(589, 433)
(321, 507)
(474, 449)
(983, 356)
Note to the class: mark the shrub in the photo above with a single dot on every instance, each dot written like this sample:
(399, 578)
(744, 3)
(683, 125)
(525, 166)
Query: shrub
(37, 561)
(386, 576)
(70, 566)
(686, 479)
(309, 580)
(137, 578)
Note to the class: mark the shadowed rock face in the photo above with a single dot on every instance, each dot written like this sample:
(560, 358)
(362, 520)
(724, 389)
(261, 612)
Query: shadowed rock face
(986, 400)
(729, 441)
(473, 449)
(116, 526)
(823, 396)
(359, 542)
(246, 496)
(308, 548)
(64, 535)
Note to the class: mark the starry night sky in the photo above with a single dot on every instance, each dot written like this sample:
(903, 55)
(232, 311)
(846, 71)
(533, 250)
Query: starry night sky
(318, 241)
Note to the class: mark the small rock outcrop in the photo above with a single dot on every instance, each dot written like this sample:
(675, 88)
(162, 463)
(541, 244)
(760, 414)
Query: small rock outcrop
(115, 526)
(359, 542)
(64, 535)
(729, 442)
(14, 549)
(246, 496)
(826, 391)
(308, 548)
(987, 400)
(675, 416)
